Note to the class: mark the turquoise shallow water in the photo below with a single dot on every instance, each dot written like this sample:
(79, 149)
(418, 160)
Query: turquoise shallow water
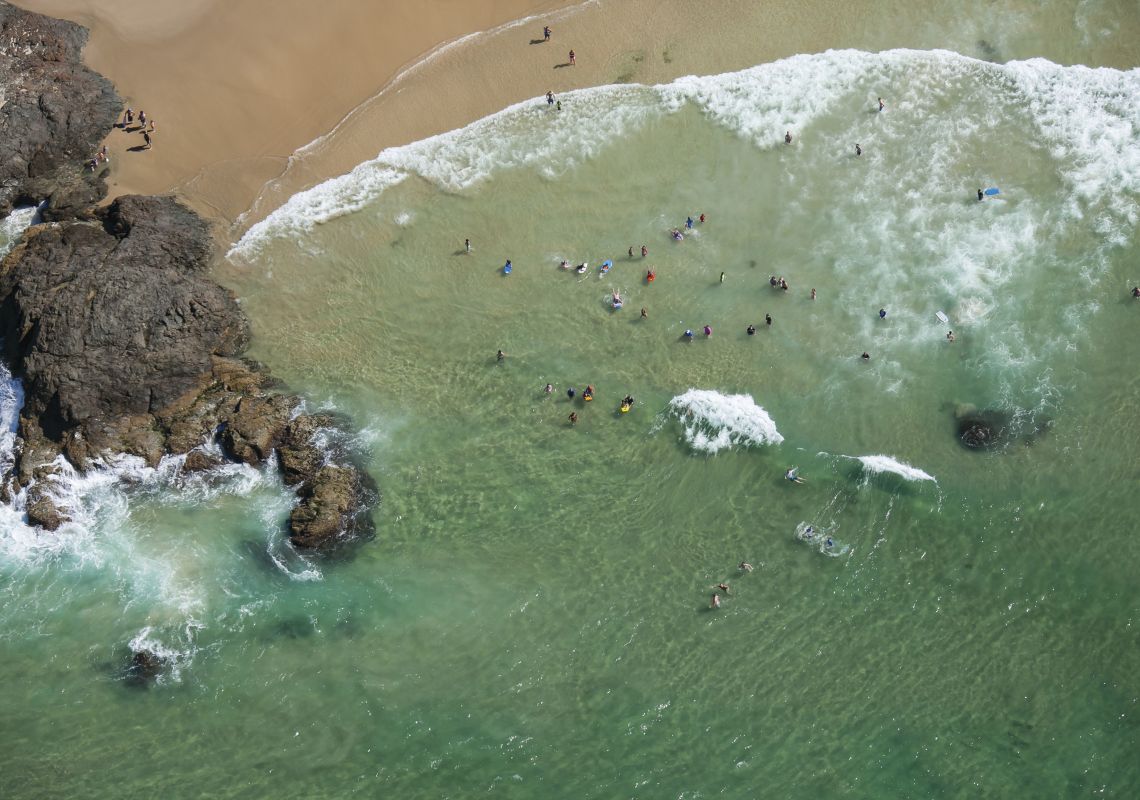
(532, 618)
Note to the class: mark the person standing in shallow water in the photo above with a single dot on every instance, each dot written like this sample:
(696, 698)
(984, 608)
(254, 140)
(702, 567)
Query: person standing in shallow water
(881, 106)
(858, 149)
(788, 137)
(981, 196)
(550, 98)
(546, 33)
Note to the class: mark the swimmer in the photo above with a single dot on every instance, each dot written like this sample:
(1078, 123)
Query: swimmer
(715, 602)
(829, 542)
(549, 388)
(768, 320)
(866, 356)
(708, 330)
(783, 284)
(650, 276)
(500, 355)
(689, 223)
(858, 150)
(1136, 292)
(570, 393)
(677, 235)
(745, 566)
(702, 219)
(813, 294)
(722, 277)
(467, 245)
(573, 418)
(949, 336)
(645, 313)
(631, 251)
(565, 264)
(583, 267)
(809, 532)
(507, 267)
(689, 334)
(617, 300)
(980, 195)
(644, 251)
(723, 587)
(793, 474)
(882, 313)
(751, 330)
(881, 104)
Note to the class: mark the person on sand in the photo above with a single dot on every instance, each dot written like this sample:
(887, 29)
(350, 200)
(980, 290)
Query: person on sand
(813, 294)
(128, 117)
(546, 33)
(745, 566)
(645, 313)
(142, 118)
(467, 245)
(550, 98)
(153, 127)
(949, 336)
(573, 418)
(858, 149)
(715, 602)
(146, 138)
(644, 251)
(793, 475)
(788, 137)
(573, 58)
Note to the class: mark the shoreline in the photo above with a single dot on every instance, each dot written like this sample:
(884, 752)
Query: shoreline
(235, 148)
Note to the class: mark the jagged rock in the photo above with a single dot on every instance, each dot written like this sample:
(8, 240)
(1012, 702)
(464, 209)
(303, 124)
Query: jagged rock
(256, 426)
(329, 509)
(199, 461)
(43, 513)
(54, 112)
(297, 455)
(114, 320)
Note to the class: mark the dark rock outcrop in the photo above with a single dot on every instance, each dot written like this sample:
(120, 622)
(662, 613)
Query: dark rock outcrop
(125, 345)
(144, 668)
(54, 112)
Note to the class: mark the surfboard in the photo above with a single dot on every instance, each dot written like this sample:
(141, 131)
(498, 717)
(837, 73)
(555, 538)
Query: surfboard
(945, 320)
(992, 191)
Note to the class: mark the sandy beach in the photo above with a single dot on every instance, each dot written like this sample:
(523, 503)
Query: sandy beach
(257, 100)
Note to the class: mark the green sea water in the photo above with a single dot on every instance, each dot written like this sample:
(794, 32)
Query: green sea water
(532, 618)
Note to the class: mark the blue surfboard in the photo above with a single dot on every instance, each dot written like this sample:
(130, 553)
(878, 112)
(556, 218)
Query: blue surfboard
(992, 191)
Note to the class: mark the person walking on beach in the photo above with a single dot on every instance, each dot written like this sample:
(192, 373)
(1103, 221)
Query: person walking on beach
(550, 98)
(146, 138)
(467, 245)
(142, 118)
(573, 60)
(546, 33)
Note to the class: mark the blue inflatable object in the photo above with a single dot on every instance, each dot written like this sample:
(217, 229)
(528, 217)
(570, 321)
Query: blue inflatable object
(992, 191)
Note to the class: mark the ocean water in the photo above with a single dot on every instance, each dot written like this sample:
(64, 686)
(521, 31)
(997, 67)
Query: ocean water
(533, 618)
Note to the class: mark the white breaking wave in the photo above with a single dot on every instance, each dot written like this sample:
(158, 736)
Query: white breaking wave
(13, 226)
(1088, 116)
(876, 465)
(713, 421)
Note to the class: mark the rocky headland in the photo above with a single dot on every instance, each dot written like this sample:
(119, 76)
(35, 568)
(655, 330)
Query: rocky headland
(108, 314)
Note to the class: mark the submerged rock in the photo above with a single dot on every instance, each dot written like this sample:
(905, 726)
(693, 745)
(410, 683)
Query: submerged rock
(144, 668)
(981, 429)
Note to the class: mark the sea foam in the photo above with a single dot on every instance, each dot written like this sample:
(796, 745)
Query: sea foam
(713, 421)
(877, 465)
